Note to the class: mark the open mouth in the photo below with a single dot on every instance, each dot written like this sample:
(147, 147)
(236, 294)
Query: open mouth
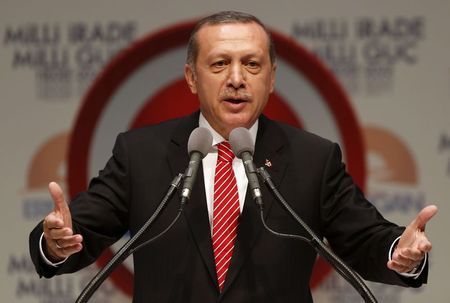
(235, 101)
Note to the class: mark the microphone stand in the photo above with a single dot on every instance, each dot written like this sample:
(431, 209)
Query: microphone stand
(323, 250)
(126, 250)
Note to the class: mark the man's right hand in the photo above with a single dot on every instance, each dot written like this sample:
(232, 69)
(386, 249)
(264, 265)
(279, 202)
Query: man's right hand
(60, 242)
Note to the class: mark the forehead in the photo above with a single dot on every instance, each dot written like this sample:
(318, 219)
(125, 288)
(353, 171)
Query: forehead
(234, 35)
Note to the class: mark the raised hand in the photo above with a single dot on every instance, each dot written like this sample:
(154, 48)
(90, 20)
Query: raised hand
(60, 242)
(413, 244)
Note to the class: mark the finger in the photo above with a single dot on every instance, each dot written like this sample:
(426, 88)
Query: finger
(59, 233)
(393, 265)
(68, 241)
(403, 261)
(52, 221)
(58, 197)
(61, 205)
(413, 254)
(63, 248)
(70, 250)
(424, 216)
(425, 246)
(401, 268)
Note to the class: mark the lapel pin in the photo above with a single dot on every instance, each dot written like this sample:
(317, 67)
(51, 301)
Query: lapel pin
(268, 163)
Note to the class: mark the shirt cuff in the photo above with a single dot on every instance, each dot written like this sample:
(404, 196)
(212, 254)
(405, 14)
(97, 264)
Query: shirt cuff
(415, 273)
(46, 260)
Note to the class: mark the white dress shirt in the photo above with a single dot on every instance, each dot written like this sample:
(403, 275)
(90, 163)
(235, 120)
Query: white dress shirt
(209, 167)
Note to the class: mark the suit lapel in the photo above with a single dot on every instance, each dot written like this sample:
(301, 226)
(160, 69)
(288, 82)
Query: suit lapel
(196, 212)
(269, 148)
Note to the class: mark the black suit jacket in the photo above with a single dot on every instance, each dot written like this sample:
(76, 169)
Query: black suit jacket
(180, 266)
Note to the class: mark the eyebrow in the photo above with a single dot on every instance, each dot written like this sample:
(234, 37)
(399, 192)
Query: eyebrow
(259, 55)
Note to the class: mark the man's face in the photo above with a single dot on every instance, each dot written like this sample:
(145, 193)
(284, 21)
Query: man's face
(233, 74)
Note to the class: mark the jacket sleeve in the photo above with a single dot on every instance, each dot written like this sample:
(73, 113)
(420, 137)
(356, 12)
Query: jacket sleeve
(355, 229)
(99, 214)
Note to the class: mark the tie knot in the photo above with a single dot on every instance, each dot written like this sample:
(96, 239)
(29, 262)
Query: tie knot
(224, 152)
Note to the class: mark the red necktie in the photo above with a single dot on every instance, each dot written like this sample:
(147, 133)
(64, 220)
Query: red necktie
(225, 211)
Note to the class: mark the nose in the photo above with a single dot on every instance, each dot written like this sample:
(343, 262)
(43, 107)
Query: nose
(236, 77)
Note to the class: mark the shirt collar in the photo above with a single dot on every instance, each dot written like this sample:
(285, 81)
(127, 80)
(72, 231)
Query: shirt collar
(217, 138)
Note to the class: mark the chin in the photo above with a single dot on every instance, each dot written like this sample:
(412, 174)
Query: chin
(239, 123)
(238, 120)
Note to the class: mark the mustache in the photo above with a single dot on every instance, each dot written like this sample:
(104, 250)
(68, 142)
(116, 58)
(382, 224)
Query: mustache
(231, 93)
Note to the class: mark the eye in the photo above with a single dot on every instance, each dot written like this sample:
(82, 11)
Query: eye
(219, 64)
(252, 64)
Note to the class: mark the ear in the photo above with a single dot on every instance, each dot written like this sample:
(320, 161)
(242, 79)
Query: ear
(191, 79)
(272, 80)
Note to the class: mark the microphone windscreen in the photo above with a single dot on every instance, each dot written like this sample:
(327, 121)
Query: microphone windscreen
(241, 141)
(200, 141)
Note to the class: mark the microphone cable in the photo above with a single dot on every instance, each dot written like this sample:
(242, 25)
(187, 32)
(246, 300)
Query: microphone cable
(126, 250)
(321, 248)
(199, 144)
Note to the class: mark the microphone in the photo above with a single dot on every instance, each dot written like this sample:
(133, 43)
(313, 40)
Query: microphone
(243, 147)
(199, 145)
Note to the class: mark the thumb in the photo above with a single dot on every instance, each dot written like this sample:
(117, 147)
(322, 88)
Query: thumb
(424, 216)
(61, 206)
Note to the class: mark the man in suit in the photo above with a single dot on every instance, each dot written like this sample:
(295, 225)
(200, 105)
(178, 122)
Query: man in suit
(231, 66)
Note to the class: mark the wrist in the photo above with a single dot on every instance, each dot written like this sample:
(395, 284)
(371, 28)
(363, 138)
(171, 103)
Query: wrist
(47, 256)
(51, 256)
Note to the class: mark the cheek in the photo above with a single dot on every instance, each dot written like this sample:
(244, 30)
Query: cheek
(209, 85)
(262, 89)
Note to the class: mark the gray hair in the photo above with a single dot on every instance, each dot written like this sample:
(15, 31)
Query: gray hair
(224, 18)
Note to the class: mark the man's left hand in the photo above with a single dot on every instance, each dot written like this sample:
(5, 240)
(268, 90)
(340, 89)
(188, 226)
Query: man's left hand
(413, 244)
